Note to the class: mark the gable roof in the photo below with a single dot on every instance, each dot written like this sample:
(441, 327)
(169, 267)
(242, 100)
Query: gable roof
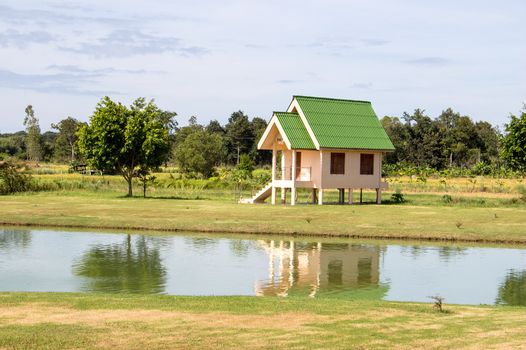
(295, 130)
(346, 124)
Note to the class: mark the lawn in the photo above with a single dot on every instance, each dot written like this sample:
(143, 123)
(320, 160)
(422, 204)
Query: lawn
(425, 216)
(56, 320)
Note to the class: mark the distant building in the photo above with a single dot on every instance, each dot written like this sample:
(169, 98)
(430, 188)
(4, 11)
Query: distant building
(324, 143)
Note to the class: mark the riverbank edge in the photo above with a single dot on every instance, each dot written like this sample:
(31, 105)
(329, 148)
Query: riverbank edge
(400, 237)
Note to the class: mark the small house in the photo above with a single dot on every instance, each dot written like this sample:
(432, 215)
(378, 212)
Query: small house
(324, 143)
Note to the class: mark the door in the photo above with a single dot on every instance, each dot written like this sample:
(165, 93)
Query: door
(298, 164)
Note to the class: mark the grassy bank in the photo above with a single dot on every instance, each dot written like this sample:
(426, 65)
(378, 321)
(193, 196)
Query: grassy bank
(425, 216)
(52, 321)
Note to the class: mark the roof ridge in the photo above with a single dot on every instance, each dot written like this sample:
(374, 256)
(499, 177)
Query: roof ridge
(330, 98)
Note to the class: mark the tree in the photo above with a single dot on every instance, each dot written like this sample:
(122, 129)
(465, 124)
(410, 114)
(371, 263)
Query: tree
(124, 140)
(199, 153)
(239, 136)
(67, 137)
(33, 138)
(258, 126)
(514, 143)
(215, 127)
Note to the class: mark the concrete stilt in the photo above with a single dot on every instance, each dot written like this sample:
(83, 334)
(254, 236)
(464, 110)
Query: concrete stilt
(361, 195)
(378, 196)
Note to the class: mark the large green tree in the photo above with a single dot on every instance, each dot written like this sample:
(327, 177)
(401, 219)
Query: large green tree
(239, 136)
(199, 152)
(65, 143)
(125, 140)
(514, 143)
(33, 138)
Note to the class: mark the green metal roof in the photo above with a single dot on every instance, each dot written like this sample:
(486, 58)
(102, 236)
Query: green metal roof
(295, 130)
(344, 123)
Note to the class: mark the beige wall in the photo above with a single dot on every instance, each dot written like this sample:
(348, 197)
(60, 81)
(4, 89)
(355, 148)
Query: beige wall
(322, 178)
(352, 177)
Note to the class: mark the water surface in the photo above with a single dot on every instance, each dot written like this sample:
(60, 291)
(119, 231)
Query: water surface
(190, 264)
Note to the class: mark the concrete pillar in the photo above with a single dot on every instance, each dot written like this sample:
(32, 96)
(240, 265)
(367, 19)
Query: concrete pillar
(274, 155)
(361, 195)
(293, 178)
(320, 196)
(350, 195)
(283, 191)
(378, 196)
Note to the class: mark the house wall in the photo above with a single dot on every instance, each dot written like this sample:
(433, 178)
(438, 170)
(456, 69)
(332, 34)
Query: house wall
(352, 177)
(311, 159)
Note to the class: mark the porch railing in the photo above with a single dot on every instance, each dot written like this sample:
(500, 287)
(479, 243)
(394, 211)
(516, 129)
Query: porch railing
(299, 173)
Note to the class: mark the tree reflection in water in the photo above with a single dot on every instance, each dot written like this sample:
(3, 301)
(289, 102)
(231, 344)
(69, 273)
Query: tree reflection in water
(133, 267)
(14, 239)
(513, 290)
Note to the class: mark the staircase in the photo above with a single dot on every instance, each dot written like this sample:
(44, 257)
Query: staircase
(259, 197)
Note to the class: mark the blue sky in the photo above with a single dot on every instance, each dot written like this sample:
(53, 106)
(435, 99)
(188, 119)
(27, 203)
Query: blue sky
(210, 58)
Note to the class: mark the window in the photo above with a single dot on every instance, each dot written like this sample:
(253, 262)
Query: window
(338, 163)
(366, 164)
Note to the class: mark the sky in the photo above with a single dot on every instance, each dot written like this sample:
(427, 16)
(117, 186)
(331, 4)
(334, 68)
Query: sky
(211, 58)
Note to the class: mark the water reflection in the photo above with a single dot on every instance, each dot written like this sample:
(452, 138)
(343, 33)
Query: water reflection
(56, 261)
(513, 290)
(132, 266)
(299, 268)
(10, 239)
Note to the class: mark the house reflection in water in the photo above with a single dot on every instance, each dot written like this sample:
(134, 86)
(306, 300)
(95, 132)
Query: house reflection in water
(298, 268)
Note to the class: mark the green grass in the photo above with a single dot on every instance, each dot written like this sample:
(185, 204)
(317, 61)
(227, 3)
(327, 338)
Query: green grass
(422, 217)
(56, 320)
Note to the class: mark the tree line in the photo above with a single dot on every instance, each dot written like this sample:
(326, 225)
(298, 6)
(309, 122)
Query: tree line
(452, 140)
(134, 140)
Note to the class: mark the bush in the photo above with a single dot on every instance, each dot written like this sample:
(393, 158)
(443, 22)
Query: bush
(522, 192)
(447, 199)
(398, 197)
(13, 180)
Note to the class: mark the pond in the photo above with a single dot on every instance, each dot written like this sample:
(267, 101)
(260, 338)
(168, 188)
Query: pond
(192, 264)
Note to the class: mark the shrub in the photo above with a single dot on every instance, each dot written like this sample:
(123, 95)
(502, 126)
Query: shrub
(13, 180)
(522, 192)
(398, 196)
(447, 198)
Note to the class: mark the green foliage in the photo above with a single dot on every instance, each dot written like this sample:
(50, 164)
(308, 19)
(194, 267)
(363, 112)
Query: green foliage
(451, 140)
(522, 192)
(12, 180)
(13, 145)
(199, 153)
(239, 137)
(65, 144)
(124, 140)
(447, 199)
(398, 197)
(514, 143)
(33, 138)
(246, 164)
